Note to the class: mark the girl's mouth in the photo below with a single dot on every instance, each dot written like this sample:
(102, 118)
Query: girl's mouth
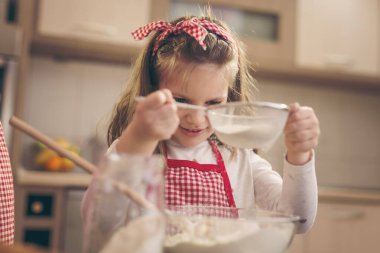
(191, 132)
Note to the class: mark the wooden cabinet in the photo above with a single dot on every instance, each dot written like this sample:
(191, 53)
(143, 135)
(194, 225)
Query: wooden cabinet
(49, 216)
(339, 35)
(298, 43)
(347, 221)
(265, 26)
(92, 30)
(101, 30)
(38, 216)
(108, 21)
(345, 228)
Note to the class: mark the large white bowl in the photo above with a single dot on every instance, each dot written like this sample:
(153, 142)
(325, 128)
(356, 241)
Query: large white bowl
(196, 229)
(248, 125)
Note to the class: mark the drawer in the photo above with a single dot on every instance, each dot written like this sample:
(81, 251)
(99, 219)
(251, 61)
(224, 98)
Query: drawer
(39, 205)
(40, 236)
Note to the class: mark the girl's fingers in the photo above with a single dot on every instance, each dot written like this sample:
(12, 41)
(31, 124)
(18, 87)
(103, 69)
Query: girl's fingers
(300, 113)
(168, 95)
(157, 99)
(302, 135)
(302, 146)
(156, 115)
(293, 107)
(302, 128)
(300, 125)
(303, 118)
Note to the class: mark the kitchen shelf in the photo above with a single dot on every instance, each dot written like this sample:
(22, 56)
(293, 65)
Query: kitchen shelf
(83, 50)
(52, 179)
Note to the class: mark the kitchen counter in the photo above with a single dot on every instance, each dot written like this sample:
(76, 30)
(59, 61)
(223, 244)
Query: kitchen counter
(348, 194)
(54, 179)
(73, 179)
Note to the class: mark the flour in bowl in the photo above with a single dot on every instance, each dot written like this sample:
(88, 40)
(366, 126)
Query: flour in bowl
(144, 234)
(229, 236)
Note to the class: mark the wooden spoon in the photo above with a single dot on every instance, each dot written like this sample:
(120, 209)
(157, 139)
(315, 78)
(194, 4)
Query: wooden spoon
(81, 162)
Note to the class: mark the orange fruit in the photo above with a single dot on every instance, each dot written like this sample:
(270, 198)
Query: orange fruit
(54, 163)
(67, 164)
(43, 156)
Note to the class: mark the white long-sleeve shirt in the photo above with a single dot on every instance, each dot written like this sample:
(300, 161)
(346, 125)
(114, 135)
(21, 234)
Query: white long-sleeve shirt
(253, 181)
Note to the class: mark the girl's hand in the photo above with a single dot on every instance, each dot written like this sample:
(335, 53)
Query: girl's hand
(155, 119)
(301, 134)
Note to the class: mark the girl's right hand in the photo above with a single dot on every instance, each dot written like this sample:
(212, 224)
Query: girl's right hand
(156, 116)
(155, 119)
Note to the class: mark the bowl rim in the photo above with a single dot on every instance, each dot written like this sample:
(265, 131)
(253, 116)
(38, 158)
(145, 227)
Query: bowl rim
(266, 104)
(263, 215)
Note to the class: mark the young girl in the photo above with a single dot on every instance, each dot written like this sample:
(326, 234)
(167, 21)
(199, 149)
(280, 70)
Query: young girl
(198, 61)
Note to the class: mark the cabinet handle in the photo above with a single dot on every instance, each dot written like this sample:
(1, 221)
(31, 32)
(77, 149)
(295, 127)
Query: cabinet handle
(95, 28)
(345, 215)
(37, 207)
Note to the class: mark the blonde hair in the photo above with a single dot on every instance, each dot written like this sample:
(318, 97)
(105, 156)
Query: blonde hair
(174, 51)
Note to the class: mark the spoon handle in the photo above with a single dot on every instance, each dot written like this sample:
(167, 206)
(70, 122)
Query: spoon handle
(81, 162)
(179, 104)
(39, 136)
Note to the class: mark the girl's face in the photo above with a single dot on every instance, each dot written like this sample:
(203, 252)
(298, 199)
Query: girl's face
(205, 84)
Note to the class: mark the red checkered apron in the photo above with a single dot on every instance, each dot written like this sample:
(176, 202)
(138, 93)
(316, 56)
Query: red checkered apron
(191, 183)
(7, 226)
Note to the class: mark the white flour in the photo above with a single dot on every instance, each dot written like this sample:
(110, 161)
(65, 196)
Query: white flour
(142, 235)
(259, 135)
(241, 237)
(199, 235)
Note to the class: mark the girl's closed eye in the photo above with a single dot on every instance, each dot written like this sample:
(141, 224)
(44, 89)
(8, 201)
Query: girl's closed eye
(187, 101)
(213, 102)
(181, 100)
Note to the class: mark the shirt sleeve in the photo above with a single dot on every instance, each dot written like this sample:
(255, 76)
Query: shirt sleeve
(295, 193)
(300, 192)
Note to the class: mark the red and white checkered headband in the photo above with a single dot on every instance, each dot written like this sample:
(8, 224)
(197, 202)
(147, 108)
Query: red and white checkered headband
(198, 29)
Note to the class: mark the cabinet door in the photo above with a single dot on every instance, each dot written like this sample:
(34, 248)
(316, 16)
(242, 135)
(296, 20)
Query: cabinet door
(110, 21)
(265, 26)
(345, 228)
(339, 34)
(38, 216)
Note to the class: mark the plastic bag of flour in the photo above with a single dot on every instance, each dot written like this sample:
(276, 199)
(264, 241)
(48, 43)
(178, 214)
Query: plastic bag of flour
(124, 214)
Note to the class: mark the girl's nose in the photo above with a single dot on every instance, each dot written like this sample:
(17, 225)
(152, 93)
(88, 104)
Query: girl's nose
(196, 116)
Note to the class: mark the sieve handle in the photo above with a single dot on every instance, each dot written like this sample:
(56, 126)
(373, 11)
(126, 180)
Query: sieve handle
(179, 104)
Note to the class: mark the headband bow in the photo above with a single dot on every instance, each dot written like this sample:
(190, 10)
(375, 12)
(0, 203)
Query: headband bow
(198, 29)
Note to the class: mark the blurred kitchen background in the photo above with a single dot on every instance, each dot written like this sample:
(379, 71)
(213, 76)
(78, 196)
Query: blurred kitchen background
(64, 63)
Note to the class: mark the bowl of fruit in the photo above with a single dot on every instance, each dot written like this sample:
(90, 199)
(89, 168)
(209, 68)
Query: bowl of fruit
(49, 160)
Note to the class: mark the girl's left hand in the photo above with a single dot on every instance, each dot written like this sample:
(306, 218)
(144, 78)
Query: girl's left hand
(301, 134)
